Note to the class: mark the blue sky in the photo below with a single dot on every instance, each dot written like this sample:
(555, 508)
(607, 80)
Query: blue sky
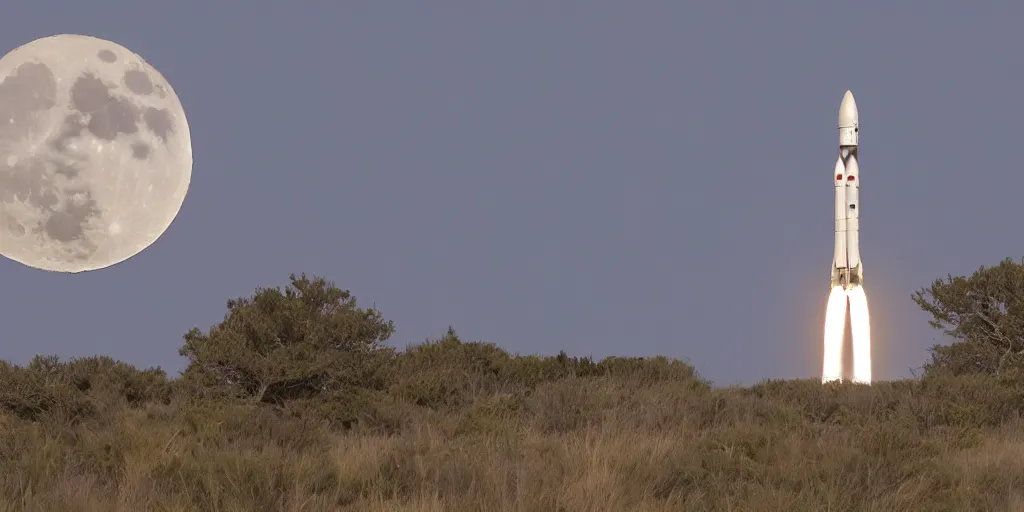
(603, 177)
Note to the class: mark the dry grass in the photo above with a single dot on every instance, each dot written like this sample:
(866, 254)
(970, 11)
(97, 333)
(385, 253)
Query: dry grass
(635, 440)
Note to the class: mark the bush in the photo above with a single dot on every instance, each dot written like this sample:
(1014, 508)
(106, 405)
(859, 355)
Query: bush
(42, 390)
(309, 340)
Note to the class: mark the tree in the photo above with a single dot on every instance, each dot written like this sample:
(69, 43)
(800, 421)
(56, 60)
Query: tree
(309, 340)
(985, 312)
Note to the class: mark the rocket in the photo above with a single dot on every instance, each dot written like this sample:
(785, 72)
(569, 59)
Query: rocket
(847, 269)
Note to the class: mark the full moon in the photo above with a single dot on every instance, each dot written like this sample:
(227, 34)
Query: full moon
(95, 154)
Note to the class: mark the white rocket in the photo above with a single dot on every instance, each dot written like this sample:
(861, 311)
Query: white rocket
(847, 269)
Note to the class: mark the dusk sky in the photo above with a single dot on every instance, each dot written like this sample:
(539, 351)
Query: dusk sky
(604, 177)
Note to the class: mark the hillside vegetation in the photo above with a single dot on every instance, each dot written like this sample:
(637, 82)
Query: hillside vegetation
(293, 403)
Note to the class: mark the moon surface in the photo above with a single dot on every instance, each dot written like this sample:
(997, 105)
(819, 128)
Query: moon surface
(95, 154)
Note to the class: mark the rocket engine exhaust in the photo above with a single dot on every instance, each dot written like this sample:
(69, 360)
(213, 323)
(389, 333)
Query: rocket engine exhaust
(835, 327)
(847, 283)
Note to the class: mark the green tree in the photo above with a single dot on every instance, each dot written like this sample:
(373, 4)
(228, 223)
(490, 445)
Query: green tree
(310, 340)
(984, 312)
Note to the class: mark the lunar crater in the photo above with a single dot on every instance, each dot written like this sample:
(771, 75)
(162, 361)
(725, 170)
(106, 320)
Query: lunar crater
(159, 121)
(138, 82)
(95, 154)
(31, 88)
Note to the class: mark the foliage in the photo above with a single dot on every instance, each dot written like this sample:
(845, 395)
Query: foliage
(73, 390)
(309, 340)
(985, 312)
(642, 439)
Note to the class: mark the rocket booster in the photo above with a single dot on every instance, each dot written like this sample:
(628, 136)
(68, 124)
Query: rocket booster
(847, 269)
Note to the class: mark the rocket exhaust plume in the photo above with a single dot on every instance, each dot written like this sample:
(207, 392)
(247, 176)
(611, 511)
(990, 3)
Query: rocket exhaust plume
(835, 327)
(847, 268)
(860, 327)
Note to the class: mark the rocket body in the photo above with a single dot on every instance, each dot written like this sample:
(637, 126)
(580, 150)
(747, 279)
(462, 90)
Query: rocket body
(847, 268)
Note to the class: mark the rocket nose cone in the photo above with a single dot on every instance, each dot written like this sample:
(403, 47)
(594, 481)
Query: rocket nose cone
(848, 111)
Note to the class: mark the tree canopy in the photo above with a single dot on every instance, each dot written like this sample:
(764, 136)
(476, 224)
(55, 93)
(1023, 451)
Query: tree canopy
(309, 339)
(984, 312)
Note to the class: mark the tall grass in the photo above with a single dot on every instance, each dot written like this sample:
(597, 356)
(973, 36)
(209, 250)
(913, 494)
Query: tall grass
(468, 427)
